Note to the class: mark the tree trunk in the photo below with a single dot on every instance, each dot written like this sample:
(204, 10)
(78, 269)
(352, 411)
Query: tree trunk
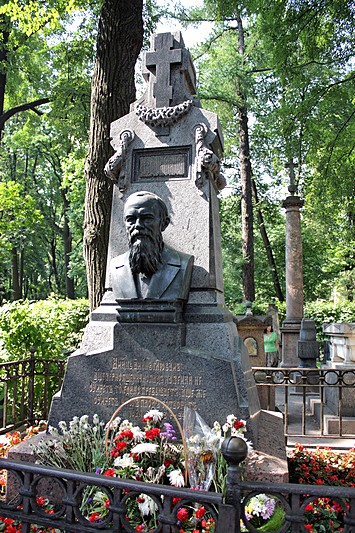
(16, 286)
(267, 244)
(54, 268)
(67, 242)
(4, 38)
(246, 185)
(119, 41)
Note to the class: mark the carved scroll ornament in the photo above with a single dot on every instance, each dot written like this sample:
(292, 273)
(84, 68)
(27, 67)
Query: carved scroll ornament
(208, 166)
(114, 168)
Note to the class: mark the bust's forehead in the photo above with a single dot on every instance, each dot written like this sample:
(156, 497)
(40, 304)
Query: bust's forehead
(139, 201)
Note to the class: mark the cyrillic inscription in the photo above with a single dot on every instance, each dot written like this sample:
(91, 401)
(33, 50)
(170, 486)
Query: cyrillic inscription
(128, 379)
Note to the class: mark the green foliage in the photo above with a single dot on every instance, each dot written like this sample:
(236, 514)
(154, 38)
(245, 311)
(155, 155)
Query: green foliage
(18, 215)
(325, 312)
(53, 327)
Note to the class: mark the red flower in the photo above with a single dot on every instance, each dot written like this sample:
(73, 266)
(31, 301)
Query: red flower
(40, 500)
(121, 446)
(127, 433)
(140, 528)
(94, 517)
(110, 472)
(12, 529)
(308, 526)
(320, 481)
(200, 513)
(309, 507)
(107, 503)
(183, 514)
(238, 424)
(168, 462)
(151, 434)
(176, 500)
(8, 521)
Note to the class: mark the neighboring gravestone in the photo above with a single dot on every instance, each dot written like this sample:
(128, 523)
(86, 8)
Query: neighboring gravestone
(167, 145)
(308, 347)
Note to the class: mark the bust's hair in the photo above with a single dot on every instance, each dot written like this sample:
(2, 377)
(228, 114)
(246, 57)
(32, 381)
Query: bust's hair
(164, 215)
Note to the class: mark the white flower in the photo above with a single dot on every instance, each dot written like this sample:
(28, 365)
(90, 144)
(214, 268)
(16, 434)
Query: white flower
(176, 478)
(126, 424)
(216, 427)
(155, 415)
(138, 434)
(62, 425)
(231, 419)
(145, 447)
(146, 505)
(225, 428)
(115, 423)
(124, 462)
(84, 419)
(96, 419)
(73, 426)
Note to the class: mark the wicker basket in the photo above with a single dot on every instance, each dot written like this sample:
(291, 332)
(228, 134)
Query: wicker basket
(151, 398)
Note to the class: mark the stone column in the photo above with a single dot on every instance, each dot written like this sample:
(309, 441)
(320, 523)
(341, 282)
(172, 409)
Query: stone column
(294, 281)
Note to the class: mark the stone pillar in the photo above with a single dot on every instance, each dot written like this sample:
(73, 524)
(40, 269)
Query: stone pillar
(294, 281)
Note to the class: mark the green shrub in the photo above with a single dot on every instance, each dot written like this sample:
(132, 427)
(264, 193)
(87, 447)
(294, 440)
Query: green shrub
(325, 312)
(53, 327)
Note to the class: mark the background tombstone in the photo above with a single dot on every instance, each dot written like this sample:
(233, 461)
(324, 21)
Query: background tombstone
(169, 146)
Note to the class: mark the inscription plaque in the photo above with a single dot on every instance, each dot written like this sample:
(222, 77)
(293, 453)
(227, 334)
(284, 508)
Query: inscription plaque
(132, 378)
(163, 164)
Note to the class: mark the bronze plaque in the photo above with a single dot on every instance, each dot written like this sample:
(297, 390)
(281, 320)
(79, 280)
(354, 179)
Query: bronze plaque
(161, 164)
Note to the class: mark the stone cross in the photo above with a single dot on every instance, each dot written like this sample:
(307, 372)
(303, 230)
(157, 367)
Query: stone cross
(161, 61)
(291, 165)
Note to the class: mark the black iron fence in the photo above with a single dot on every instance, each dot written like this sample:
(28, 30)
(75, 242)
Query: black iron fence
(316, 403)
(26, 390)
(68, 490)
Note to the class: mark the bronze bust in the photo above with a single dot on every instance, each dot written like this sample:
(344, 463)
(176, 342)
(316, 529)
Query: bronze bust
(149, 269)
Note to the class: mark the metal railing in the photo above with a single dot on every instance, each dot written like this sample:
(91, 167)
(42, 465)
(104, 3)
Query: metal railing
(26, 390)
(315, 402)
(68, 489)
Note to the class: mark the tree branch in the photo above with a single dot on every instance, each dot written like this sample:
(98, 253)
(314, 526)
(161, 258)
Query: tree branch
(24, 107)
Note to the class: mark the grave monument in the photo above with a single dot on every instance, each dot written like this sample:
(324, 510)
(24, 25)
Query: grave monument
(163, 331)
(291, 326)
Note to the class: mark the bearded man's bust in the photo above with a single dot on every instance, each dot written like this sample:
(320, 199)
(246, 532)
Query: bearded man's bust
(149, 269)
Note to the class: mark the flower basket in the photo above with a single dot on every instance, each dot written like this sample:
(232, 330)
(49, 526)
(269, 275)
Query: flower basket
(152, 399)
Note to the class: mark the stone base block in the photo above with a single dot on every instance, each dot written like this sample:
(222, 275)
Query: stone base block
(332, 425)
(266, 397)
(263, 467)
(47, 487)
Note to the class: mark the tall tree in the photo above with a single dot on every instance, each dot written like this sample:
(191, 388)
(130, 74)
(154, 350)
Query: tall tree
(43, 152)
(119, 41)
(298, 58)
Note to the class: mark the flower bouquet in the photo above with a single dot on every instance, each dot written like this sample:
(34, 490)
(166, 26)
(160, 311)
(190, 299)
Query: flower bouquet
(202, 448)
(264, 513)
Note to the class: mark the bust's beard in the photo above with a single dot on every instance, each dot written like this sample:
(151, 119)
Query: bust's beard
(145, 255)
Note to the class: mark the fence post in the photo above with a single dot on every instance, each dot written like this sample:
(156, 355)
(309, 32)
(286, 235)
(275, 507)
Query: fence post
(234, 450)
(31, 386)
